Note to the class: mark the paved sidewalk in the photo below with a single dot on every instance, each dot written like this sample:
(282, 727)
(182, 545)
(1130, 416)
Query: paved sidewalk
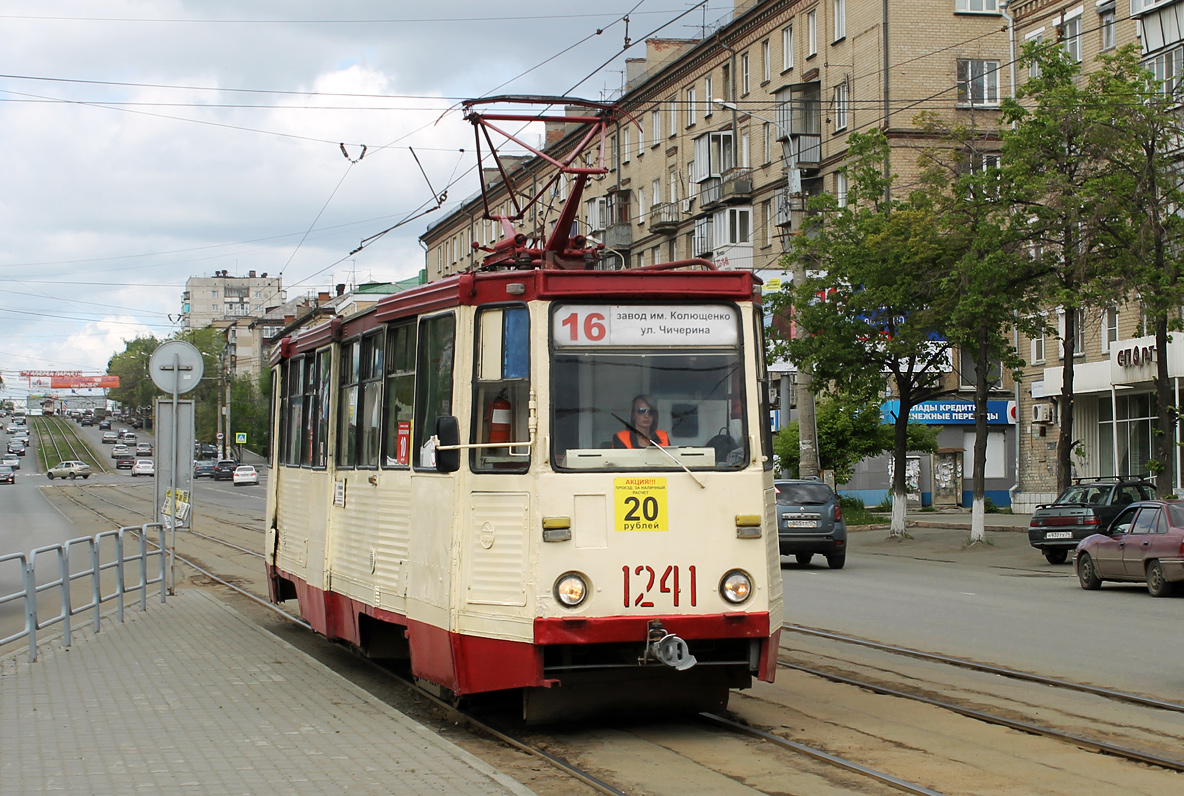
(190, 698)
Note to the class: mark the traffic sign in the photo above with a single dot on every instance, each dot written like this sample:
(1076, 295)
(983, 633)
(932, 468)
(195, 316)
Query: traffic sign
(240, 438)
(218, 435)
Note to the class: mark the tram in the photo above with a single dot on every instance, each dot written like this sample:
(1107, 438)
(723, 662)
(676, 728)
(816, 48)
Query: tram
(460, 481)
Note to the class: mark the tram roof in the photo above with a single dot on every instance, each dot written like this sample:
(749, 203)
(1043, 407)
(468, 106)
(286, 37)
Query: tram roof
(546, 284)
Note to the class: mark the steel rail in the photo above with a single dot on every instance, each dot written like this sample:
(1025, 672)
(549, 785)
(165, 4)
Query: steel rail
(826, 757)
(1033, 729)
(1122, 696)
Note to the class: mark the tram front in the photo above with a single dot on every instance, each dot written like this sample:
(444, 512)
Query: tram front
(658, 506)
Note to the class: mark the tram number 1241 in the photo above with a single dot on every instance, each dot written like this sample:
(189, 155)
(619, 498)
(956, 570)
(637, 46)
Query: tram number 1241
(638, 593)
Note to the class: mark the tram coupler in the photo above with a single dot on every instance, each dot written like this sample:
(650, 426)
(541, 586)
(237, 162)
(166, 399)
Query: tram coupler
(666, 648)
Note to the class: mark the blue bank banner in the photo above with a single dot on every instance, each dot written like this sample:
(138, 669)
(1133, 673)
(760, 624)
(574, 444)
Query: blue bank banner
(950, 413)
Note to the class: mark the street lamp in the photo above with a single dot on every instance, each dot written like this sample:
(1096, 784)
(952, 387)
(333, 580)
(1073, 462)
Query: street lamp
(803, 394)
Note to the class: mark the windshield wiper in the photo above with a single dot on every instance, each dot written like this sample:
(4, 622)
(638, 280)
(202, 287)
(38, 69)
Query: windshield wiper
(654, 443)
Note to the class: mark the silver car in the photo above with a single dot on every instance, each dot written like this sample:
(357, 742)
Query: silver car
(69, 470)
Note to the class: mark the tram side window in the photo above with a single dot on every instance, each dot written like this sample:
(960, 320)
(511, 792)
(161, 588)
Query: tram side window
(321, 432)
(347, 404)
(433, 387)
(295, 410)
(310, 409)
(500, 408)
(400, 396)
(762, 380)
(370, 422)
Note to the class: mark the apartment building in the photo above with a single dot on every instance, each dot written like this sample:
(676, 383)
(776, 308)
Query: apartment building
(1114, 401)
(733, 131)
(223, 296)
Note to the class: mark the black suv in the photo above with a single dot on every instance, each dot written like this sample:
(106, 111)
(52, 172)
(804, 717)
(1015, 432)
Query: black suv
(1085, 508)
(809, 521)
(224, 469)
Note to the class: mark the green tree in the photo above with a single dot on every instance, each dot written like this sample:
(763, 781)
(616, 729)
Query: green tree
(131, 366)
(1140, 119)
(871, 304)
(1057, 157)
(849, 431)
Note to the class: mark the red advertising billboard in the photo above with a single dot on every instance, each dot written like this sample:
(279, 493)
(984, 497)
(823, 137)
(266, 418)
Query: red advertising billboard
(83, 382)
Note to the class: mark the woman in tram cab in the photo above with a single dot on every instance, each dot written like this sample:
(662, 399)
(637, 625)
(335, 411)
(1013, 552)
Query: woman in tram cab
(644, 419)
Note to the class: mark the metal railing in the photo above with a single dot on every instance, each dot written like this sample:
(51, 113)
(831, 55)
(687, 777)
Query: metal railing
(113, 557)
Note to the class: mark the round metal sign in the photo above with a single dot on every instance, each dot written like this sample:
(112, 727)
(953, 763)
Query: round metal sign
(218, 435)
(176, 366)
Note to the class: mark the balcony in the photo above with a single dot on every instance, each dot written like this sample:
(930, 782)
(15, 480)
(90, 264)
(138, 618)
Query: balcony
(664, 218)
(710, 192)
(737, 186)
(619, 236)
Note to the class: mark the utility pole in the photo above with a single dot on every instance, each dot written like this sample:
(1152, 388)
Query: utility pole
(221, 408)
(231, 345)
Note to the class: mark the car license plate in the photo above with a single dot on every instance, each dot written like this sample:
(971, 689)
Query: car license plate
(1059, 535)
(802, 523)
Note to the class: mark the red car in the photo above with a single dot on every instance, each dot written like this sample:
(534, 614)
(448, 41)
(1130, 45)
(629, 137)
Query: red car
(1144, 543)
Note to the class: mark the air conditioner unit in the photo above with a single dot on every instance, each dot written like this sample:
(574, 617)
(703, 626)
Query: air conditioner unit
(686, 205)
(1041, 413)
(775, 394)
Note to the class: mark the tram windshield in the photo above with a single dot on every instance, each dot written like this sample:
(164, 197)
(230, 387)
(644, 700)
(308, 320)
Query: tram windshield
(616, 397)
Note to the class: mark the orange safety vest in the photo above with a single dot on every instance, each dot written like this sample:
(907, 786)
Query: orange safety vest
(626, 438)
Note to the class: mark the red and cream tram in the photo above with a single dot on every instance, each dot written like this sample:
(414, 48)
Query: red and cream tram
(450, 487)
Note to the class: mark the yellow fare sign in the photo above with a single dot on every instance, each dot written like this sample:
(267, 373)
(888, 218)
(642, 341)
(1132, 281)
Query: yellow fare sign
(640, 504)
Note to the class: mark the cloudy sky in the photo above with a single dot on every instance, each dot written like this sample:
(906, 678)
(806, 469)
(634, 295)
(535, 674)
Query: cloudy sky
(147, 141)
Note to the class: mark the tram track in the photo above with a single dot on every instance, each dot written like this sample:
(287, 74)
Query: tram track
(56, 434)
(567, 749)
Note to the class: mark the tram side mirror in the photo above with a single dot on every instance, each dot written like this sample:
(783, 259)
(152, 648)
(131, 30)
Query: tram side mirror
(448, 433)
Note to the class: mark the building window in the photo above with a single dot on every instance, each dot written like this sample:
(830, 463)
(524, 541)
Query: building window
(673, 185)
(692, 109)
(744, 74)
(640, 140)
(767, 135)
(1166, 68)
(840, 9)
(656, 254)
(1038, 348)
(213, 294)
(841, 188)
(978, 82)
(614, 148)
(840, 107)
(655, 193)
(656, 125)
(1072, 38)
(713, 155)
(626, 143)
(1110, 332)
(1106, 24)
(767, 214)
(733, 226)
(787, 48)
(727, 80)
(641, 207)
(979, 6)
(673, 100)
(766, 65)
(708, 97)
(811, 34)
(1036, 36)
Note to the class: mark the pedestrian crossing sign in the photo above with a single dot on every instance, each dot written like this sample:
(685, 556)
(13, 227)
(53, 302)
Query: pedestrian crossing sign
(240, 438)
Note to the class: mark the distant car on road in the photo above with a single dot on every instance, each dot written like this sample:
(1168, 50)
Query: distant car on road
(104, 425)
(69, 470)
(7, 474)
(120, 450)
(87, 421)
(124, 461)
(109, 438)
(17, 447)
(203, 468)
(1086, 507)
(11, 460)
(809, 521)
(137, 422)
(143, 448)
(245, 474)
(143, 467)
(1145, 542)
(224, 469)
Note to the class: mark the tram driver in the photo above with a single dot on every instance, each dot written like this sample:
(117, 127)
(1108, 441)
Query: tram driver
(644, 430)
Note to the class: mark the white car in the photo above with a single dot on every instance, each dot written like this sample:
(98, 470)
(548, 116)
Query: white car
(245, 474)
(11, 460)
(120, 450)
(143, 467)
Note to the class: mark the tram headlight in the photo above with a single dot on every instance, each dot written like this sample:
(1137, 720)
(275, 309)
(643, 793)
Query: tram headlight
(736, 586)
(571, 589)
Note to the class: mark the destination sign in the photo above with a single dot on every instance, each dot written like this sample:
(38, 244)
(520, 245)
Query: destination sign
(645, 324)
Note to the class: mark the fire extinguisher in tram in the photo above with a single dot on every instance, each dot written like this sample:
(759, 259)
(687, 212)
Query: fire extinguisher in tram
(498, 418)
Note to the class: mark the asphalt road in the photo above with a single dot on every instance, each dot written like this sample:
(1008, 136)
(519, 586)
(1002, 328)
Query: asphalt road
(1000, 603)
